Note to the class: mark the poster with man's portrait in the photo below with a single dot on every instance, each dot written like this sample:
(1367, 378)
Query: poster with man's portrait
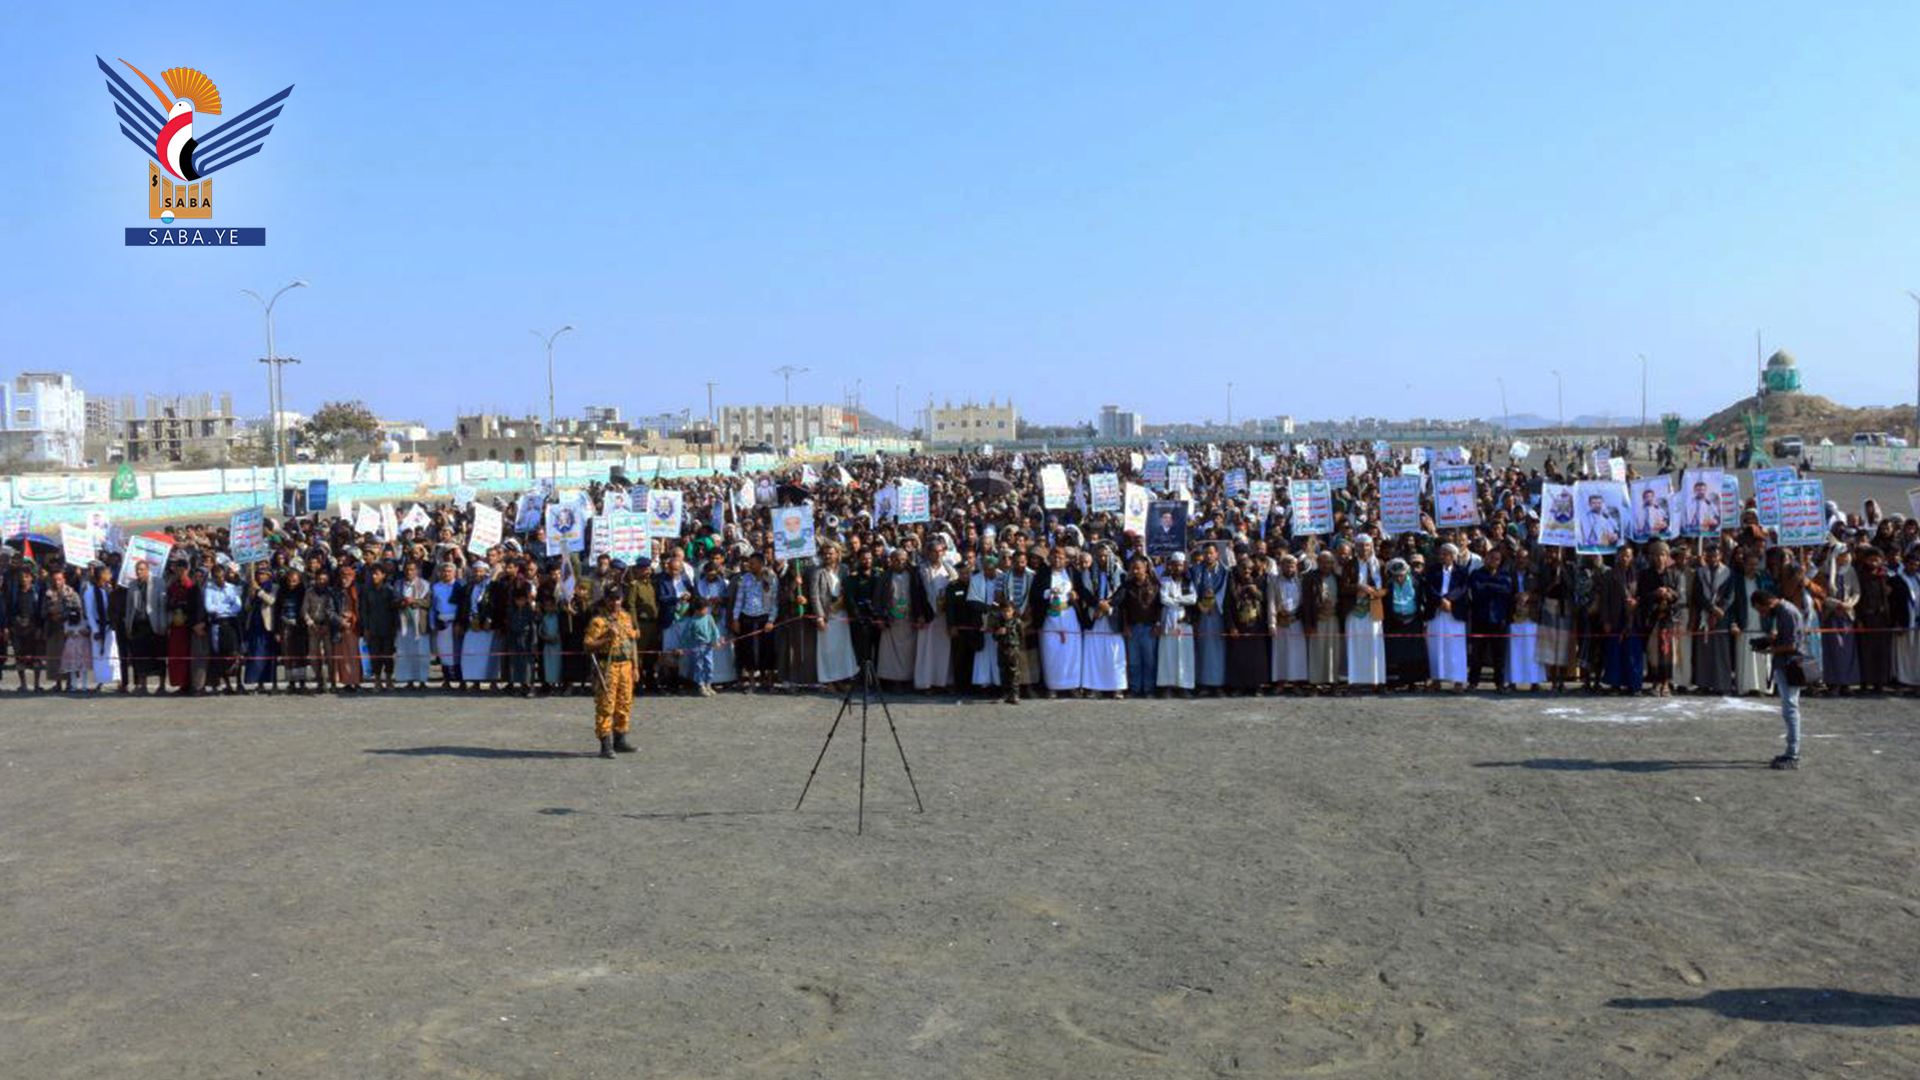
(1602, 512)
(1653, 517)
(1166, 527)
(1701, 512)
(1558, 527)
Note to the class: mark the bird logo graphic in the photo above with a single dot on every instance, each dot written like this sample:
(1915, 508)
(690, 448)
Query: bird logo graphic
(184, 189)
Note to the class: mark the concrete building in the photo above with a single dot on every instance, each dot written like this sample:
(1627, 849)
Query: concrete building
(601, 415)
(182, 429)
(45, 420)
(972, 422)
(1116, 423)
(781, 425)
(494, 437)
(1276, 425)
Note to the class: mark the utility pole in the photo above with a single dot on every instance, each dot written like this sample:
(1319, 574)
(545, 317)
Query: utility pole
(1505, 415)
(1560, 401)
(1643, 395)
(896, 404)
(1229, 406)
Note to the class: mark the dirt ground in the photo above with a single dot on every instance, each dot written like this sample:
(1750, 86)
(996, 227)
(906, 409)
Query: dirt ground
(1520, 886)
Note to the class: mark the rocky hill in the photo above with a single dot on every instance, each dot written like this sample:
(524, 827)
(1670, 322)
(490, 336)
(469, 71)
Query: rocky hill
(1809, 416)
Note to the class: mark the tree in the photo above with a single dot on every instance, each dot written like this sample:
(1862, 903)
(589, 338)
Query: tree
(334, 428)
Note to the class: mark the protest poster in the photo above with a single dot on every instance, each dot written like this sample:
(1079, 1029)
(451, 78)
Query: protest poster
(1166, 527)
(1267, 462)
(14, 523)
(1260, 498)
(1103, 492)
(532, 512)
(1456, 455)
(485, 536)
(1235, 482)
(416, 519)
(316, 496)
(1312, 504)
(1135, 462)
(1213, 457)
(1054, 491)
(247, 536)
(1155, 474)
(1700, 510)
(1766, 483)
(1356, 465)
(464, 494)
(1802, 512)
(366, 520)
(1413, 470)
(886, 503)
(1557, 525)
(566, 529)
(1730, 499)
(664, 512)
(77, 544)
(626, 536)
(1381, 451)
(914, 505)
(793, 532)
(1652, 501)
(1420, 455)
(744, 498)
(1400, 504)
(389, 524)
(600, 536)
(143, 548)
(1334, 470)
(1020, 462)
(1601, 511)
(1597, 462)
(1134, 515)
(1616, 469)
(1913, 503)
(1519, 450)
(616, 499)
(1309, 451)
(1180, 477)
(1454, 505)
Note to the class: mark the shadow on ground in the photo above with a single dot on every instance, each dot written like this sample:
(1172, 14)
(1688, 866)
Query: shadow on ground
(485, 752)
(1595, 765)
(1794, 1005)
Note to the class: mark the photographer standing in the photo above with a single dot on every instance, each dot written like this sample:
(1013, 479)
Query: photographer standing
(1783, 642)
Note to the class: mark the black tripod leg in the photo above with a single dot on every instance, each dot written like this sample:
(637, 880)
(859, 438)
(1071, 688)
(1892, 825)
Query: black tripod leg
(845, 703)
(860, 820)
(915, 788)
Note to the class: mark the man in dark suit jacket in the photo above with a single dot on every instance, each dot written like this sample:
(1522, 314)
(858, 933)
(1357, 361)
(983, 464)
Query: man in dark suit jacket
(1491, 589)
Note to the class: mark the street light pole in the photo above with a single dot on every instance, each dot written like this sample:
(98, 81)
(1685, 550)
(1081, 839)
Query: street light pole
(1643, 395)
(1560, 401)
(1229, 406)
(1506, 421)
(553, 436)
(1916, 400)
(273, 383)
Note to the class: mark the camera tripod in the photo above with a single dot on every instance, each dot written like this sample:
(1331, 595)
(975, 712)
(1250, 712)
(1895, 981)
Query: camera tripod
(867, 685)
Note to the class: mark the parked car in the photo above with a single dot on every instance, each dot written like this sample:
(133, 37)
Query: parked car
(1870, 438)
(1788, 446)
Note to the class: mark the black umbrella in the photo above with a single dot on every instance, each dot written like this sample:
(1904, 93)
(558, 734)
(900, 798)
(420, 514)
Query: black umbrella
(791, 494)
(992, 485)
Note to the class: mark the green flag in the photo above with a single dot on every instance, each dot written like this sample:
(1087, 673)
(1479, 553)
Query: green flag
(124, 485)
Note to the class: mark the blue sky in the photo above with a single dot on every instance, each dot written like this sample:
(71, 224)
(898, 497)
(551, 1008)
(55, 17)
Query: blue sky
(1342, 208)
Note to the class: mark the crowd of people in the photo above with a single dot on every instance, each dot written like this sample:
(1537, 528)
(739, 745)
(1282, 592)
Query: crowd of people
(992, 595)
